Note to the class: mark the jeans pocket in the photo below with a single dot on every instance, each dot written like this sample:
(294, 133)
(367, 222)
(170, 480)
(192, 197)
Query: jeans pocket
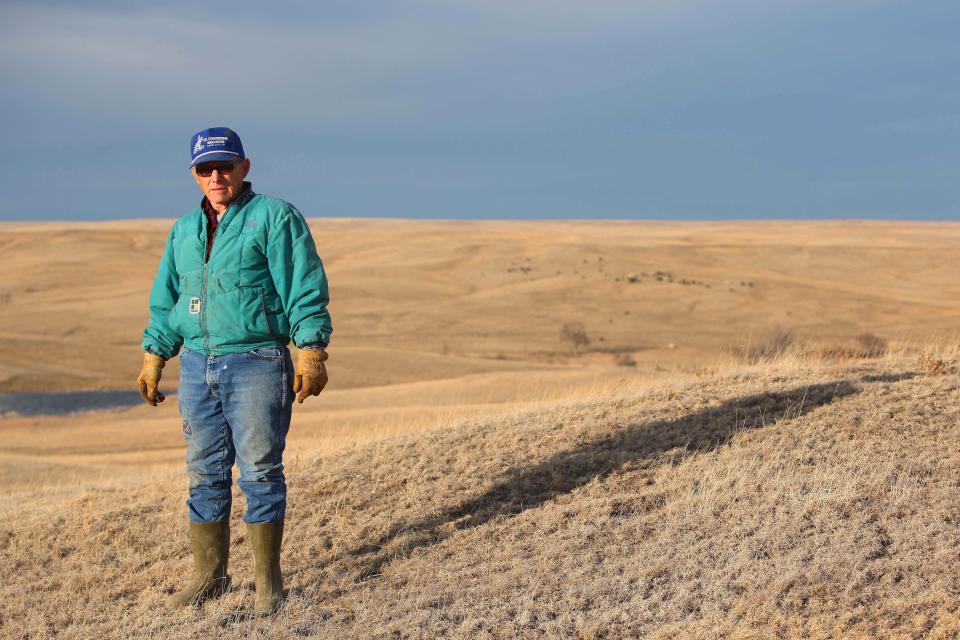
(267, 353)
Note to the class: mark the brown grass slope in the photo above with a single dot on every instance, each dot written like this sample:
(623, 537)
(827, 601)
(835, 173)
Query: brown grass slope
(778, 501)
(419, 300)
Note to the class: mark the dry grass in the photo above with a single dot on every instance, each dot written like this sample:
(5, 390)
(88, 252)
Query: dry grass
(793, 498)
(420, 300)
(466, 475)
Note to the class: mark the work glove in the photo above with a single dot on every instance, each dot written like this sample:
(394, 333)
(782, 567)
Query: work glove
(149, 379)
(311, 375)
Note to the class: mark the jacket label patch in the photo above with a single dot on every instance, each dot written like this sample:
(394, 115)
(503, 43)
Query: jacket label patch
(194, 305)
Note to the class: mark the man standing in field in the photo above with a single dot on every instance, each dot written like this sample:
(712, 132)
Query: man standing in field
(239, 278)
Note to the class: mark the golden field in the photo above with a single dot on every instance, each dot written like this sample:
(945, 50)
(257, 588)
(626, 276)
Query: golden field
(468, 473)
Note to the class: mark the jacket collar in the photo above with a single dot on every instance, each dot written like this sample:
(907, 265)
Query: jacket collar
(246, 194)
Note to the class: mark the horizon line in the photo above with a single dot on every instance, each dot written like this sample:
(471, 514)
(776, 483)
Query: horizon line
(377, 218)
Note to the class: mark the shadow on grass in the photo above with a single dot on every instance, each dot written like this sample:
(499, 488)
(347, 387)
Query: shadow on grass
(889, 377)
(635, 446)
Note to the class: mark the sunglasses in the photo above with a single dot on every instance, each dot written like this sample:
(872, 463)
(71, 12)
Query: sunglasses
(206, 169)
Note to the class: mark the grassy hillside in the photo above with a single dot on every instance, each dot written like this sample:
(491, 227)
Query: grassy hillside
(798, 498)
(418, 300)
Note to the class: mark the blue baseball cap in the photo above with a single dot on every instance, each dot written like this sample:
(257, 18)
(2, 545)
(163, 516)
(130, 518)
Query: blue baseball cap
(215, 144)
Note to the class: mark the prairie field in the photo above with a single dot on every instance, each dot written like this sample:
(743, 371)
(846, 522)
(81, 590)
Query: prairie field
(532, 429)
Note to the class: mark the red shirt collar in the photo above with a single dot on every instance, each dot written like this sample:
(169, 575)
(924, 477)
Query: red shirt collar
(211, 212)
(208, 209)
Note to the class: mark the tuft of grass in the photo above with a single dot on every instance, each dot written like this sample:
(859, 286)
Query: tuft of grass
(778, 342)
(867, 345)
(871, 346)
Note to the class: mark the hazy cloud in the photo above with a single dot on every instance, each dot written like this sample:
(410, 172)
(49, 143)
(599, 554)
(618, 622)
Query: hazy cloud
(488, 107)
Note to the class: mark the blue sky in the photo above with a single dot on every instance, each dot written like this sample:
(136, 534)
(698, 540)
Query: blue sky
(679, 109)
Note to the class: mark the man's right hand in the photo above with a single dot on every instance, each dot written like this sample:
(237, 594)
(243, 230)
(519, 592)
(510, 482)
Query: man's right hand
(149, 379)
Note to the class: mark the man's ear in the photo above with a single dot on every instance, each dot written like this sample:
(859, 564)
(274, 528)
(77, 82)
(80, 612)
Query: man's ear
(245, 167)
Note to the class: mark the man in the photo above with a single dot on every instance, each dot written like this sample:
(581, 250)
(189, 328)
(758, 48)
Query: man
(239, 278)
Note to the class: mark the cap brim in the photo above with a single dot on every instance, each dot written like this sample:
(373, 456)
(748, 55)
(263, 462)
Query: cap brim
(215, 156)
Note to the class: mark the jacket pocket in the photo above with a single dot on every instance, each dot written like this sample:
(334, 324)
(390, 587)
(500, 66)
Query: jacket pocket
(273, 315)
(263, 311)
(184, 318)
(173, 318)
(242, 317)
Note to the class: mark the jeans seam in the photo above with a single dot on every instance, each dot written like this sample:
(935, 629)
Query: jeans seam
(283, 381)
(221, 501)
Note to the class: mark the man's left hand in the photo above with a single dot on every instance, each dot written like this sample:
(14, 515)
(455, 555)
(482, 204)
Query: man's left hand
(311, 375)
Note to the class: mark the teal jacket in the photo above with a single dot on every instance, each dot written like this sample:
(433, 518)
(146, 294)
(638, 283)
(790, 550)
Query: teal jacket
(263, 285)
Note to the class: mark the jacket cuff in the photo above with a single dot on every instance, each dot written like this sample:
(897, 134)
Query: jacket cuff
(154, 352)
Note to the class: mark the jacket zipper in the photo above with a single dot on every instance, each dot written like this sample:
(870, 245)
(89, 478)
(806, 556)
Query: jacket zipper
(203, 286)
(241, 202)
(203, 305)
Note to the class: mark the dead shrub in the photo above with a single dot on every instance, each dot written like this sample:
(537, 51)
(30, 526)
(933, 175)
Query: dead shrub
(625, 360)
(576, 334)
(930, 364)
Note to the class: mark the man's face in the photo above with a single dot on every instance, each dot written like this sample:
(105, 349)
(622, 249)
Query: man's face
(221, 181)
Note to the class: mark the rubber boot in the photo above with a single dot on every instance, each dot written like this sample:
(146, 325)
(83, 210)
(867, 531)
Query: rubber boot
(265, 539)
(211, 550)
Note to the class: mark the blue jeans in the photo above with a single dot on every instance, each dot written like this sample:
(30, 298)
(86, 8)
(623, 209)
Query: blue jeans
(236, 408)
